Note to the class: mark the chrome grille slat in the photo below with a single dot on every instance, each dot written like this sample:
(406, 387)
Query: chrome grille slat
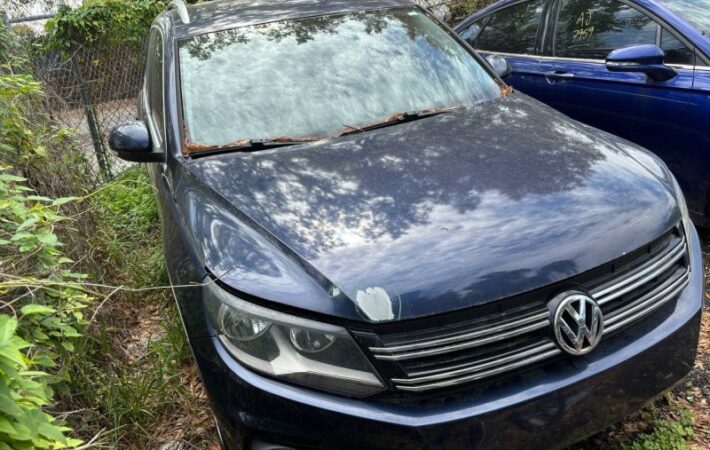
(648, 304)
(643, 276)
(463, 345)
(481, 375)
(421, 377)
(463, 336)
(497, 344)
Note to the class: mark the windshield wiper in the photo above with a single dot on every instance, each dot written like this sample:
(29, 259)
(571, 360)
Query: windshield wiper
(248, 145)
(397, 118)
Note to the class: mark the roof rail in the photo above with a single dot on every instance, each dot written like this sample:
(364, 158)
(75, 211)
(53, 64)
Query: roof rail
(181, 10)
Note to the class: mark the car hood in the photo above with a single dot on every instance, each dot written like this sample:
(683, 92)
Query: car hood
(424, 217)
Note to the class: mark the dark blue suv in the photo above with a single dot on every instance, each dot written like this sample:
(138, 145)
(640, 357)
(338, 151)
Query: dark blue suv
(639, 69)
(375, 243)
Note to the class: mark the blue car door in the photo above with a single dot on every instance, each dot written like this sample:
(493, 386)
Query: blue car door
(515, 31)
(655, 114)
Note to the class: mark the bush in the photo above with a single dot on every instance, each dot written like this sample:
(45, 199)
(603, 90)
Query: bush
(41, 297)
(41, 301)
(106, 22)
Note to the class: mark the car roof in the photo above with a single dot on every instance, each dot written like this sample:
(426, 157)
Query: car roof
(224, 14)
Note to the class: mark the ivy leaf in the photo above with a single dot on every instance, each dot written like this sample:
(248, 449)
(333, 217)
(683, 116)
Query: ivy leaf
(8, 325)
(37, 309)
(68, 346)
(6, 427)
(8, 177)
(38, 198)
(48, 238)
(63, 200)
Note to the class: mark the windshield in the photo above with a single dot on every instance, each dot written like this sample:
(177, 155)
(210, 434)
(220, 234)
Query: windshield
(696, 12)
(317, 76)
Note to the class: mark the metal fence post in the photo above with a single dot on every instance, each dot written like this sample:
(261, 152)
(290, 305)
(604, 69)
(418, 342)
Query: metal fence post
(94, 127)
(5, 19)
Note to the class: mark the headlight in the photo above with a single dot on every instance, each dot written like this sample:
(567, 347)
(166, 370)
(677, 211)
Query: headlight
(299, 350)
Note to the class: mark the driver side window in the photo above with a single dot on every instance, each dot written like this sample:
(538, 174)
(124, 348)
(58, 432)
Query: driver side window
(591, 29)
(511, 30)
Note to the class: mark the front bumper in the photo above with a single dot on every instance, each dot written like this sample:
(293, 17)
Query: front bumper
(548, 408)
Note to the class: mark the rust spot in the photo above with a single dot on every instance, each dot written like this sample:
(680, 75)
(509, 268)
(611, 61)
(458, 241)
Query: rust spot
(506, 91)
(397, 116)
(194, 147)
(296, 139)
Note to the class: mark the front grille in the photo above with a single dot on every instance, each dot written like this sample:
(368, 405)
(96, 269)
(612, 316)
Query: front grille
(509, 340)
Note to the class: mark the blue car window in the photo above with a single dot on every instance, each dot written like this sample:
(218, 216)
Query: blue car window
(676, 51)
(697, 12)
(512, 30)
(593, 28)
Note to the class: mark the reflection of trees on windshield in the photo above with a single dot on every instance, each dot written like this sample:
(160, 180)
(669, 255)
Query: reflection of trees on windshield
(302, 31)
(315, 76)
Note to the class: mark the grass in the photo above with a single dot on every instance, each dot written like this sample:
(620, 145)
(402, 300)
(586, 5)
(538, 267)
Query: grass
(132, 377)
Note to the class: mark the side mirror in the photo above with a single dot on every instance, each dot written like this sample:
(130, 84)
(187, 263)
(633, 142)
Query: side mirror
(500, 65)
(646, 58)
(131, 142)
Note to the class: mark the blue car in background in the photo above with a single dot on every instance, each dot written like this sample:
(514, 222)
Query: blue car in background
(638, 69)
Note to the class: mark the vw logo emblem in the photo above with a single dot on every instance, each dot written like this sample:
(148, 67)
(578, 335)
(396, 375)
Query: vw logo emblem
(578, 323)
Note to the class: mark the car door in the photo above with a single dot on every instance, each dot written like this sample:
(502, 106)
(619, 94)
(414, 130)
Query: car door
(698, 179)
(515, 32)
(654, 114)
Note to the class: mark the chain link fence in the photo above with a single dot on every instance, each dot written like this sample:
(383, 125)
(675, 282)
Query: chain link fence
(93, 90)
(96, 88)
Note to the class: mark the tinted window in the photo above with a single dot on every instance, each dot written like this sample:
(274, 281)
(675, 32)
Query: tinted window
(155, 82)
(593, 28)
(317, 76)
(470, 33)
(676, 51)
(512, 30)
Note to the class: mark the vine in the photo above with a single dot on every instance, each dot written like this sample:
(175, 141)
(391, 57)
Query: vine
(106, 22)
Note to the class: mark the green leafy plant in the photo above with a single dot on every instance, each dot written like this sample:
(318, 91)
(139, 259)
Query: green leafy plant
(41, 297)
(41, 306)
(106, 22)
(18, 94)
(666, 434)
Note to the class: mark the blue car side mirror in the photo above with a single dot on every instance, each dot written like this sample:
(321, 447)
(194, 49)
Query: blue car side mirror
(646, 58)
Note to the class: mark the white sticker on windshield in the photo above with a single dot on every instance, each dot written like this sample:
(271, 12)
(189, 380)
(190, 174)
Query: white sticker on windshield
(412, 13)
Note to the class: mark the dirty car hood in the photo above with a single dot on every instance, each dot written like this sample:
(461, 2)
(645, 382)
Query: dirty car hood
(424, 217)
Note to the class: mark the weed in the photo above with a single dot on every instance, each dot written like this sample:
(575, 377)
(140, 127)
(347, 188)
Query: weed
(666, 433)
(128, 229)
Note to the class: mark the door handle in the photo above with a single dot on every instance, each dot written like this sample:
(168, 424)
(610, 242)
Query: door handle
(559, 74)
